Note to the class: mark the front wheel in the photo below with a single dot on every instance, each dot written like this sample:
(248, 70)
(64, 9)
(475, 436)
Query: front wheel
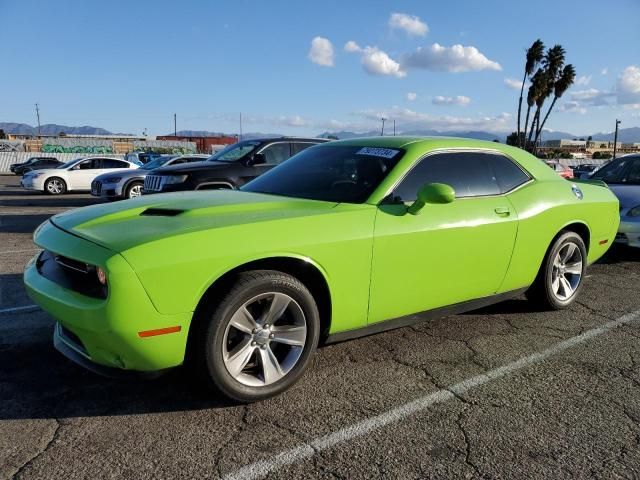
(259, 339)
(55, 186)
(133, 190)
(561, 274)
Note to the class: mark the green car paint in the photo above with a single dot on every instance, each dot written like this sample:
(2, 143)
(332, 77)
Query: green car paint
(162, 253)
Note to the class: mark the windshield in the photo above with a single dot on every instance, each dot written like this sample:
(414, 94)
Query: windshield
(330, 173)
(235, 152)
(156, 163)
(625, 170)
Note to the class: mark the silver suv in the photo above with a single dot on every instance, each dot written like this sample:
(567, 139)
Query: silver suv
(128, 183)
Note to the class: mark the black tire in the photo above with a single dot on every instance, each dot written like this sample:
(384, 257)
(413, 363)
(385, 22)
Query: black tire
(207, 343)
(130, 188)
(542, 291)
(48, 186)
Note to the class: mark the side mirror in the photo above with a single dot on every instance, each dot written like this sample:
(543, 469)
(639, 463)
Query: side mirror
(432, 193)
(257, 159)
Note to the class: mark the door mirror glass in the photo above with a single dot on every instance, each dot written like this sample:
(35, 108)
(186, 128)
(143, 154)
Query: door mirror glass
(258, 159)
(432, 193)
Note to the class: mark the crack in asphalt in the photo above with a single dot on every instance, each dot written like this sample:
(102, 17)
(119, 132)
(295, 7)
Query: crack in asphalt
(33, 459)
(467, 442)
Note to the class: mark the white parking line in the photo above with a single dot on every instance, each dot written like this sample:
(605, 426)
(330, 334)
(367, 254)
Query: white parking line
(262, 468)
(18, 309)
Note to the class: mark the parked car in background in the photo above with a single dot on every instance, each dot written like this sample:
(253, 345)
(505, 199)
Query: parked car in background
(345, 239)
(622, 175)
(75, 175)
(34, 163)
(141, 157)
(229, 168)
(584, 169)
(564, 172)
(128, 183)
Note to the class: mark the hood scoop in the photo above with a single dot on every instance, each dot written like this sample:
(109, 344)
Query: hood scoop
(161, 212)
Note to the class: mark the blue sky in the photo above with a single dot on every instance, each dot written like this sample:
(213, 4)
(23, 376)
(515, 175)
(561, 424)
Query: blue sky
(129, 65)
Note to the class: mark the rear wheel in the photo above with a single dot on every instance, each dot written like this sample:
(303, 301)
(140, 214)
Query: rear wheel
(134, 190)
(259, 339)
(55, 186)
(561, 274)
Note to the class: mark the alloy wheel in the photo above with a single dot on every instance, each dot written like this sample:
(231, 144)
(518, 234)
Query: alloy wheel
(264, 339)
(135, 191)
(54, 186)
(566, 273)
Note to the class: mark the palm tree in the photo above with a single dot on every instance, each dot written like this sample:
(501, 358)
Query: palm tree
(534, 92)
(560, 86)
(534, 56)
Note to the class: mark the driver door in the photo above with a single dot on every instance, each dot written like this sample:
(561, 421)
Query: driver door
(447, 253)
(84, 172)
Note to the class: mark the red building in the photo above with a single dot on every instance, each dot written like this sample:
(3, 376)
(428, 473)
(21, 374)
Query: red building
(203, 144)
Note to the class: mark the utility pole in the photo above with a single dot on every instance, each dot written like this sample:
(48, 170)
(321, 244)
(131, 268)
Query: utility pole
(615, 139)
(175, 126)
(38, 115)
(240, 138)
(382, 131)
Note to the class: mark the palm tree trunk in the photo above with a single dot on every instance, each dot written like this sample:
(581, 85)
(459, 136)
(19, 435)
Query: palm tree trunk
(520, 108)
(526, 125)
(536, 118)
(539, 130)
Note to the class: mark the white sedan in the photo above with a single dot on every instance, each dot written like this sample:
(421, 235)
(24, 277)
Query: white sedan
(75, 175)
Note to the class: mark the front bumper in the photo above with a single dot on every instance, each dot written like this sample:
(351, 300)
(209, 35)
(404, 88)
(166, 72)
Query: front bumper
(31, 183)
(106, 332)
(106, 190)
(629, 231)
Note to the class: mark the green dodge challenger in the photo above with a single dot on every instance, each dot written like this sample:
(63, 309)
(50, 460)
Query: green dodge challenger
(344, 239)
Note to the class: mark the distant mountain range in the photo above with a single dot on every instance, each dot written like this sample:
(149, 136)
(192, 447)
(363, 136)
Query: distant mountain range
(625, 135)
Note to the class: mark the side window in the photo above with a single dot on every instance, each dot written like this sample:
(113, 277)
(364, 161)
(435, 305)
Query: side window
(297, 147)
(111, 163)
(469, 173)
(90, 164)
(276, 153)
(178, 161)
(508, 174)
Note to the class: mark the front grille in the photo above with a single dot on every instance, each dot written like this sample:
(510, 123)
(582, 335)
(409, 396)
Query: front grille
(153, 183)
(96, 187)
(71, 274)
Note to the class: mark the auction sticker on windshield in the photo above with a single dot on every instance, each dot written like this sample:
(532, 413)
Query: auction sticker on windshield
(378, 152)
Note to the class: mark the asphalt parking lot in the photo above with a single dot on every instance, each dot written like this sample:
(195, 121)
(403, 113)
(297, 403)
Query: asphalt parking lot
(505, 392)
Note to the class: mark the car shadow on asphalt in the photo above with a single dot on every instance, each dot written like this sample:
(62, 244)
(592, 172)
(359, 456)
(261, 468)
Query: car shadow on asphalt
(21, 223)
(46, 201)
(620, 253)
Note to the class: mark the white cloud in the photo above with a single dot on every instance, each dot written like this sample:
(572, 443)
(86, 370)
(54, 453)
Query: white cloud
(591, 97)
(352, 47)
(411, 120)
(513, 84)
(583, 80)
(321, 52)
(457, 100)
(628, 86)
(375, 61)
(456, 58)
(411, 96)
(409, 23)
(573, 106)
(604, 71)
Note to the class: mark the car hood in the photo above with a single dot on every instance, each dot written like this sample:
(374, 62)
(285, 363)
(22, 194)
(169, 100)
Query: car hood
(129, 223)
(124, 174)
(628, 195)
(191, 167)
(44, 171)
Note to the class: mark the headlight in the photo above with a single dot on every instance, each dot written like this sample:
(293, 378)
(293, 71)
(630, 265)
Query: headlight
(171, 179)
(634, 212)
(33, 174)
(112, 180)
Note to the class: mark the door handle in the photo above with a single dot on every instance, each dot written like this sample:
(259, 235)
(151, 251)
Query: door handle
(503, 211)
